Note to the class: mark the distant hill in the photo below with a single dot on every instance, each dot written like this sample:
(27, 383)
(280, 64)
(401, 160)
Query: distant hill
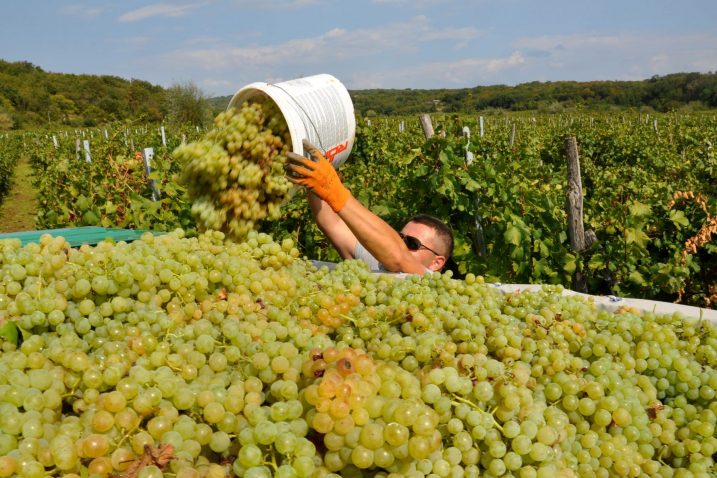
(31, 97)
(694, 91)
(220, 103)
(660, 93)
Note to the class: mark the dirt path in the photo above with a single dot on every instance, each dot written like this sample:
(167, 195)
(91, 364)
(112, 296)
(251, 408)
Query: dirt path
(17, 212)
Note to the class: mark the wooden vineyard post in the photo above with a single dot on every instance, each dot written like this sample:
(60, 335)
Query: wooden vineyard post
(478, 238)
(709, 152)
(574, 196)
(147, 156)
(576, 230)
(469, 153)
(88, 156)
(512, 136)
(427, 125)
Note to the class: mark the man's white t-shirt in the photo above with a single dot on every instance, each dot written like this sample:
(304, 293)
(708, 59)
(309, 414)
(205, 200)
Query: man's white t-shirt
(360, 252)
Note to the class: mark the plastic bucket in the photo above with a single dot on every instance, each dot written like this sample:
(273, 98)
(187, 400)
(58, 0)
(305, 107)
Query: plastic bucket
(317, 108)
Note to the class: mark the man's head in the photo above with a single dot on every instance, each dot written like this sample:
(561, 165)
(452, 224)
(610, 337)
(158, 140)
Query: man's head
(435, 240)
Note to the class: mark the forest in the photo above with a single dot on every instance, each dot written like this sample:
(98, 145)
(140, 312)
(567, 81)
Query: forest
(31, 98)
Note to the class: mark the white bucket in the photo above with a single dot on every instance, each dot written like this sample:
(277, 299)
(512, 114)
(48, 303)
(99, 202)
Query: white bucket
(317, 108)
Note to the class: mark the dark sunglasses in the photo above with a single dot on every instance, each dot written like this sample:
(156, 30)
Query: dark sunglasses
(414, 244)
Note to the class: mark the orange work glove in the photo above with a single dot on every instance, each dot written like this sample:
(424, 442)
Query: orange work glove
(318, 175)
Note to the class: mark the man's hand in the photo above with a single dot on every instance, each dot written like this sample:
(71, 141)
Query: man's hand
(318, 175)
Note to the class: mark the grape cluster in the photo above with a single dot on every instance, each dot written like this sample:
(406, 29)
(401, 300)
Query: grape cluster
(372, 409)
(235, 173)
(201, 358)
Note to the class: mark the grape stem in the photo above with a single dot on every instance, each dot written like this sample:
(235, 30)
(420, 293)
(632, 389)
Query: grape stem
(128, 433)
(476, 407)
(350, 319)
(39, 284)
(660, 455)
(272, 463)
(71, 393)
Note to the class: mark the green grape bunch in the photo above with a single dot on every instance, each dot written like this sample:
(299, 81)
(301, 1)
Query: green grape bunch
(235, 173)
(199, 357)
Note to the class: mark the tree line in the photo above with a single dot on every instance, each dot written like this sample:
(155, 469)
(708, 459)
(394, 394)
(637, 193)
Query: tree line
(679, 91)
(31, 97)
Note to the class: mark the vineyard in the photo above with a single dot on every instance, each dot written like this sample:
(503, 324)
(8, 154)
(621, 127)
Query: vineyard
(185, 354)
(649, 188)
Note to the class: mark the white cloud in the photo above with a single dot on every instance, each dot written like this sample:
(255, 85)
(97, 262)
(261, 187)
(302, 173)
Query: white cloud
(276, 4)
(333, 45)
(82, 11)
(409, 3)
(460, 73)
(137, 41)
(160, 10)
(402, 55)
(628, 56)
(421, 4)
(212, 84)
(563, 42)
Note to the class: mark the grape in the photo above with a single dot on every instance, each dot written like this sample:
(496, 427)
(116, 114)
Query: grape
(256, 355)
(234, 174)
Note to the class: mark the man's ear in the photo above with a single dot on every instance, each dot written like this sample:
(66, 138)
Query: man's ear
(437, 263)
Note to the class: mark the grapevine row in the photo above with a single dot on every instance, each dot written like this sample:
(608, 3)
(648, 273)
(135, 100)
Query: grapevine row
(649, 186)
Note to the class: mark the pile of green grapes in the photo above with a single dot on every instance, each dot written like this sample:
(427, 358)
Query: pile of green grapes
(235, 173)
(199, 357)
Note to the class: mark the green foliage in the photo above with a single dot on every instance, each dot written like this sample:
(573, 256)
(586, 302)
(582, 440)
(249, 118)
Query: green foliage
(186, 104)
(680, 90)
(31, 98)
(647, 191)
(631, 174)
(517, 194)
(113, 190)
(11, 148)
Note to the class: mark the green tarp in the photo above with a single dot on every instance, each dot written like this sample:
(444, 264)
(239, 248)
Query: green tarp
(77, 236)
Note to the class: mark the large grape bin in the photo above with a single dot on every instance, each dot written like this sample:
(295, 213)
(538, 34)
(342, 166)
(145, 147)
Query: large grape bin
(196, 357)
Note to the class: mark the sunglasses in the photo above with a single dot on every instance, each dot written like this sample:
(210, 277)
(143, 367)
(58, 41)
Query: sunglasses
(414, 244)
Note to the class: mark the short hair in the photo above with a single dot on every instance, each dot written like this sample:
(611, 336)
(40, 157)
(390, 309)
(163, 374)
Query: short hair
(443, 232)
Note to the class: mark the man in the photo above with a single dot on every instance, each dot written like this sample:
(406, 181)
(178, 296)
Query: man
(423, 245)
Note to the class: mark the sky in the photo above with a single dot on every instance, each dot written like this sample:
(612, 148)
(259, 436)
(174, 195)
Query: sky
(223, 45)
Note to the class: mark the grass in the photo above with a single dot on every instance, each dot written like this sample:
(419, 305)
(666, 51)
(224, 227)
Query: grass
(18, 209)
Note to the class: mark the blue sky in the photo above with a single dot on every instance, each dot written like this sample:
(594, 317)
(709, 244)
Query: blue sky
(222, 45)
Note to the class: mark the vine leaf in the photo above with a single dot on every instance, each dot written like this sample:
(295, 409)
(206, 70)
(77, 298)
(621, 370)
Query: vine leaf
(678, 219)
(512, 235)
(639, 209)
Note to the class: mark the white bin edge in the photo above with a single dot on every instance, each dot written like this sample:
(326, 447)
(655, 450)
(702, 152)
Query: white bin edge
(612, 303)
(609, 303)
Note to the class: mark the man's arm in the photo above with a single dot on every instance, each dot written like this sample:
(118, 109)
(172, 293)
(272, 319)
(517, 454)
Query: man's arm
(380, 239)
(333, 227)
(374, 233)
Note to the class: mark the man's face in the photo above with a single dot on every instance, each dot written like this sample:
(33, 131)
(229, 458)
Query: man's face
(427, 236)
